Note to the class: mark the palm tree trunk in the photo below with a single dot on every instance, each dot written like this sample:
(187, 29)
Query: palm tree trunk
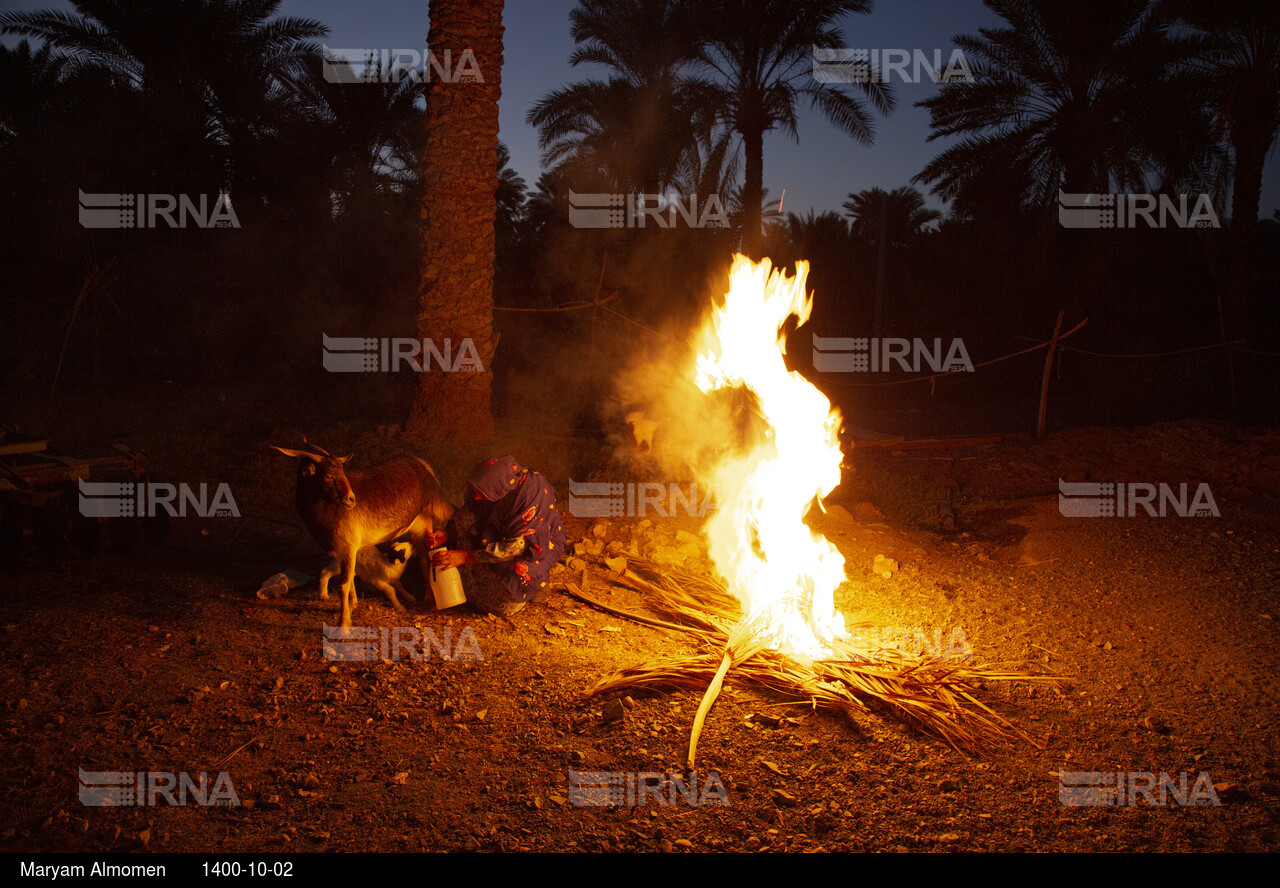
(459, 206)
(1245, 196)
(753, 192)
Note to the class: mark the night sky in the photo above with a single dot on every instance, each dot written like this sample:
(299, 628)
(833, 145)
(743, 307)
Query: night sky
(819, 172)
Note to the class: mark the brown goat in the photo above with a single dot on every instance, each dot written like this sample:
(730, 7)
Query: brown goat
(345, 513)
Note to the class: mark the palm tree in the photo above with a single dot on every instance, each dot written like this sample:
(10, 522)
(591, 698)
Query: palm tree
(1081, 97)
(460, 177)
(208, 71)
(29, 83)
(892, 222)
(510, 197)
(1237, 55)
(649, 126)
(370, 132)
(762, 52)
(900, 215)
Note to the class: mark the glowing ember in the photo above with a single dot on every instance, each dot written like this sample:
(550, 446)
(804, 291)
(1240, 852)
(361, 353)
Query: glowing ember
(781, 571)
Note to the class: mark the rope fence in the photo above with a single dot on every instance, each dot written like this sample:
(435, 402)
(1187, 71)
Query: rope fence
(1054, 344)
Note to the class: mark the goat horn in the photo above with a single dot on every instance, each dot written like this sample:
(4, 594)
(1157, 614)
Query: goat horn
(297, 454)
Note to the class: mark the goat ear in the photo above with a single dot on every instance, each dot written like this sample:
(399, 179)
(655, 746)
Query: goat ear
(343, 459)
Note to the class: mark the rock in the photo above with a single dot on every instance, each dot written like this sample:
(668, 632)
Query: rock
(839, 513)
(577, 564)
(1230, 792)
(612, 712)
(782, 798)
(948, 785)
(683, 536)
(1156, 725)
(600, 529)
(689, 550)
(617, 564)
(471, 844)
(884, 567)
(667, 555)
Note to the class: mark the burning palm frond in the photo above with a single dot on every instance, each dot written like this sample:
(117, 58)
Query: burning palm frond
(938, 696)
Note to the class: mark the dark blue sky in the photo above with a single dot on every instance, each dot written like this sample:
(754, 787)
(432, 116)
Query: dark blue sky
(818, 172)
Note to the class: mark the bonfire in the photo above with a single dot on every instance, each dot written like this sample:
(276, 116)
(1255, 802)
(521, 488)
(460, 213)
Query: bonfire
(770, 616)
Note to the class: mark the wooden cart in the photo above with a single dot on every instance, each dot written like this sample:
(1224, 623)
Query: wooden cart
(39, 499)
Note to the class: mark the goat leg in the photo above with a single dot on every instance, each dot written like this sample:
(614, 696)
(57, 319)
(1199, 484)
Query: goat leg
(389, 590)
(328, 572)
(349, 600)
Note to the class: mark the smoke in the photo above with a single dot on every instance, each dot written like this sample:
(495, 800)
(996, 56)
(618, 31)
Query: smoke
(663, 422)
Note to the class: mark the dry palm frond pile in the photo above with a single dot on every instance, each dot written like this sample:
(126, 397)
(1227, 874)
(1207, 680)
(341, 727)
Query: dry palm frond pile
(936, 695)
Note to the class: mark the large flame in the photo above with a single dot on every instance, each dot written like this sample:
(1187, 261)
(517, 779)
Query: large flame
(779, 569)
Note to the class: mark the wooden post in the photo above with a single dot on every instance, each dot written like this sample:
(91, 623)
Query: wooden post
(1044, 382)
(1231, 363)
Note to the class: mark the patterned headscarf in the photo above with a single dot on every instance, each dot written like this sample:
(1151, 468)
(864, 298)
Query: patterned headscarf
(521, 504)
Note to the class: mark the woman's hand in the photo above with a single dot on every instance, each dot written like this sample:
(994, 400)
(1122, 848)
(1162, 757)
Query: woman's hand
(452, 558)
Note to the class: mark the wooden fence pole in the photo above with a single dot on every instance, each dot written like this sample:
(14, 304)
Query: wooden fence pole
(1044, 382)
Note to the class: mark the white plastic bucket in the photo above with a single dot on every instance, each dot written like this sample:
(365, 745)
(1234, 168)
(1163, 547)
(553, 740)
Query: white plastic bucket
(446, 584)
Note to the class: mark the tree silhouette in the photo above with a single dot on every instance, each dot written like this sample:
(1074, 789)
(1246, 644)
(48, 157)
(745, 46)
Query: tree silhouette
(762, 52)
(1237, 56)
(206, 74)
(649, 126)
(1081, 97)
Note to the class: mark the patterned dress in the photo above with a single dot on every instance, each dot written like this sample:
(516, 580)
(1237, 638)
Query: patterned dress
(511, 519)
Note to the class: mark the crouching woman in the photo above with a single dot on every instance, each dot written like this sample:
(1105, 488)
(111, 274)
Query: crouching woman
(506, 537)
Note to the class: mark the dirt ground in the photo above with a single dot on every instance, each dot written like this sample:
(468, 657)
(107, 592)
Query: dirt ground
(1162, 632)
